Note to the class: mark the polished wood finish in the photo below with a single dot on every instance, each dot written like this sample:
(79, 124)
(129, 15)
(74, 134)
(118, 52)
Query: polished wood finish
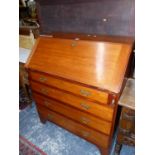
(104, 112)
(70, 59)
(77, 82)
(97, 95)
(87, 133)
(81, 117)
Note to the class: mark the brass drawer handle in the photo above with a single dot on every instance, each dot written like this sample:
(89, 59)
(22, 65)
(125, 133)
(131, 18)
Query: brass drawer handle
(44, 91)
(42, 79)
(85, 134)
(85, 93)
(74, 44)
(85, 106)
(46, 103)
(50, 116)
(85, 120)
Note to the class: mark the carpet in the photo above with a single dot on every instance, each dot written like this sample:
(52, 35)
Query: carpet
(27, 148)
(54, 140)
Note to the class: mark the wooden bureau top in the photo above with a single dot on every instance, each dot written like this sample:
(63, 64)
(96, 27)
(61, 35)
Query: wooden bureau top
(98, 64)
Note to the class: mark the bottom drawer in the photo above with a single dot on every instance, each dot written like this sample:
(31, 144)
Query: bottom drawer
(78, 129)
(77, 115)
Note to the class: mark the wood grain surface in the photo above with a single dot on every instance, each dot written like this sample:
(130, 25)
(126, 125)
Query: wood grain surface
(86, 133)
(68, 111)
(104, 112)
(83, 61)
(87, 92)
(77, 81)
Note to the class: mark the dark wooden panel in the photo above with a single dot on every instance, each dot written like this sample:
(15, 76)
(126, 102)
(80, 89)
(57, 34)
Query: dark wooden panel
(88, 37)
(112, 17)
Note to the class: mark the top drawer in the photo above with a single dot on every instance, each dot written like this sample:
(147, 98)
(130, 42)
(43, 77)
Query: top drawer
(90, 93)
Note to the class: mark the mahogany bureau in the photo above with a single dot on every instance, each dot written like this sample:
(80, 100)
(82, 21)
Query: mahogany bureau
(76, 83)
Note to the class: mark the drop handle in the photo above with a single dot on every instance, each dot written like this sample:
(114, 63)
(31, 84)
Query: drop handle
(73, 44)
(44, 91)
(85, 92)
(85, 134)
(50, 116)
(85, 106)
(42, 79)
(85, 120)
(46, 103)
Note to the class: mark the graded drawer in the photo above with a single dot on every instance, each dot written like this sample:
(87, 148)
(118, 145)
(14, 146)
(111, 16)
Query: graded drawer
(90, 93)
(81, 117)
(104, 112)
(82, 131)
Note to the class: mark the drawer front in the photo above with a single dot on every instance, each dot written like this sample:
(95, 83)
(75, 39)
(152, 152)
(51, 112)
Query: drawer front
(82, 131)
(101, 111)
(81, 117)
(97, 95)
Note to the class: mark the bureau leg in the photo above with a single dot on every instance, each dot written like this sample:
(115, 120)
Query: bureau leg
(42, 119)
(104, 151)
(118, 147)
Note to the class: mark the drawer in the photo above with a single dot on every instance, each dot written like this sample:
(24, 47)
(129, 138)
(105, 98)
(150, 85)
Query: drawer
(81, 117)
(90, 93)
(101, 111)
(82, 131)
